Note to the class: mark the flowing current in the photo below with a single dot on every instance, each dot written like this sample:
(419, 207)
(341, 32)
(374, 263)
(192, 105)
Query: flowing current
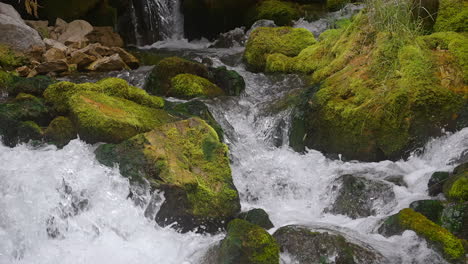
(62, 206)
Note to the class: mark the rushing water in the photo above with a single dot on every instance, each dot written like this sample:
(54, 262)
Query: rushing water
(62, 206)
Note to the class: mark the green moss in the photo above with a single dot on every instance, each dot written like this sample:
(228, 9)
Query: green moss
(5, 81)
(10, 59)
(281, 12)
(160, 79)
(103, 118)
(451, 246)
(257, 217)
(58, 94)
(190, 86)
(34, 85)
(334, 5)
(60, 131)
(456, 188)
(284, 40)
(186, 155)
(248, 243)
(452, 16)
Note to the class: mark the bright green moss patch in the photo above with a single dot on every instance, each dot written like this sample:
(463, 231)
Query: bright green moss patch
(103, 118)
(456, 187)
(58, 94)
(452, 16)
(190, 86)
(248, 243)
(282, 12)
(451, 246)
(284, 40)
(187, 160)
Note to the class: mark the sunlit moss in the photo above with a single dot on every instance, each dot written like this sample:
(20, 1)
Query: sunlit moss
(190, 86)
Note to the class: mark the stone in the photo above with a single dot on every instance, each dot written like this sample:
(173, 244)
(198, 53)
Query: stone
(53, 66)
(111, 63)
(53, 54)
(75, 32)
(35, 53)
(51, 43)
(15, 33)
(186, 160)
(128, 58)
(82, 60)
(23, 71)
(105, 36)
(436, 182)
(257, 217)
(41, 26)
(360, 197)
(60, 131)
(230, 81)
(97, 50)
(307, 246)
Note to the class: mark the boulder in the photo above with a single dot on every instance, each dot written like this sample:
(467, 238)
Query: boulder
(58, 94)
(105, 36)
(34, 86)
(283, 13)
(187, 161)
(231, 82)
(111, 63)
(53, 54)
(50, 43)
(15, 33)
(246, 243)
(436, 182)
(189, 86)
(257, 217)
(264, 41)
(456, 187)
(315, 247)
(60, 132)
(438, 237)
(128, 58)
(52, 66)
(360, 197)
(75, 32)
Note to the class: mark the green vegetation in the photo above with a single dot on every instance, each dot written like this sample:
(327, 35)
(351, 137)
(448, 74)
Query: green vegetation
(190, 86)
(10, 59)
(452, 16)
(60, 131)
(283, 13)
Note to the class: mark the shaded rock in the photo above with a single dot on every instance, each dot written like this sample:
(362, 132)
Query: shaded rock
(128, 58)
(51, 43)
(15, 33)
(60, 132)
(438, 237)
(257, 217)
(75, 32)
(436, 182)
(360, 197)
(81, 59)
(309, 247)
(397, 180)
(187, 161)
(105, 36)
(41, 26)
(52, 66)
(111, 63)
(23, 71)
(35, 86)
(53, 54)
(247, 243)
(230, 81)
(432, 209)
(233, 38)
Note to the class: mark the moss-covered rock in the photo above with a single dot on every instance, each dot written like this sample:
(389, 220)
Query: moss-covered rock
(432, 209)
(189, 86)
(34, 85)
(281, 12)
(58, 94)
(284, 40)
(160, 79)
(248, 243)
(60, 131)
(334, 5)
(231, 82)
(10, 59)
(436, 182)
(19, 119)
(102, 118)
(454, 218)
(439, 237)
(452, 16)
(456, 187)
(306, 246)
(257, 217)
(377, 93)
(187, 161)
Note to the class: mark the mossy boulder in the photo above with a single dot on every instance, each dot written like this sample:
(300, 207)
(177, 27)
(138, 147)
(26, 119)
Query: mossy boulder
(10, 59)
(257, 217)
(188, 86)
(283, 13)
(248, 243)
(432, 209)
(58, 94)
(436, 182)
(187, 161)
(264, 41)
(360, 197)
(103, 118)
(377, 94)
(19, 119)
(307, 246)
(231, 82)
(456, 187)
(34, 85)
(60, 131)
(159, 81)
(437, 236)
(452, 16)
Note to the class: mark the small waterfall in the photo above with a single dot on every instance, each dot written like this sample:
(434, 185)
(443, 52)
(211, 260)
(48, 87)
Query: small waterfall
(155, 20)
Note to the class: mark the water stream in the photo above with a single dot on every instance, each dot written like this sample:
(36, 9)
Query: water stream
(62, 206)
